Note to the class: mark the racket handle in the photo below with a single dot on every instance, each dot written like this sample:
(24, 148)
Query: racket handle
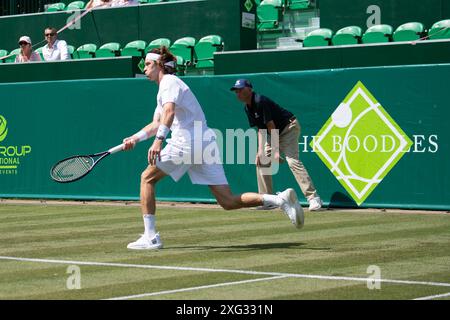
(116, 149)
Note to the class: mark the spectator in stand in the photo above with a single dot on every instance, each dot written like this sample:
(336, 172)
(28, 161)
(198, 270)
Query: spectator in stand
(26, 51)
(54, 49)
(121, 3)
(98, 4)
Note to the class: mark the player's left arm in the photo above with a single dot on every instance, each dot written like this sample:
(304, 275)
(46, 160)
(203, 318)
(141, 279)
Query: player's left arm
(167, 116)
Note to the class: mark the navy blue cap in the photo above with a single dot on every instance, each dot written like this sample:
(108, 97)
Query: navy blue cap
(241, 83)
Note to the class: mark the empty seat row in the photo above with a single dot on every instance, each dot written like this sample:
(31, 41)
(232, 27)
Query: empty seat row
(200, 53)
(410, 31)
(60, 6)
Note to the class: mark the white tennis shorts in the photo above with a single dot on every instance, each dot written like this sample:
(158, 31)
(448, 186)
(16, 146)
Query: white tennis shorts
(176, 160)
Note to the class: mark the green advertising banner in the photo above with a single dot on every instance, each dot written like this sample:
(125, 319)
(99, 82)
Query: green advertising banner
(373, 137)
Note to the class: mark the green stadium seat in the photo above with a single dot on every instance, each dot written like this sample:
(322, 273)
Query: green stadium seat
(440, 30)
(204, 50)
(347, 36)
(409, 31)
(86, 51)
(318, 38)
(110, 49)
(157, 43)
(3, 53)
(13, 54)
(71, 51)
(269, 15)
(75, 5)
(297, 4)
(275, 3)
(181, 66)
(39, 50)
(184, 48)
(378, 33)
(60, 6)
(134, 48)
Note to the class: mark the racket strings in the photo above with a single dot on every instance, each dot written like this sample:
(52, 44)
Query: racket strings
(72, 169)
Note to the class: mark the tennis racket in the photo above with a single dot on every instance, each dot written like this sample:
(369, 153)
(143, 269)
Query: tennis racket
(76, 167)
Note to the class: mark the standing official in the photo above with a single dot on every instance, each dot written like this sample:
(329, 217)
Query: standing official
(281, 124)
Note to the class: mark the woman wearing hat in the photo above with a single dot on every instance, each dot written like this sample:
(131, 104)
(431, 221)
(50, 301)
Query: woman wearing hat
(26, 51)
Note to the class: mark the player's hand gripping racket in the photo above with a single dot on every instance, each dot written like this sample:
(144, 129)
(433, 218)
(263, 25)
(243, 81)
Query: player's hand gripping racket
(76, 167)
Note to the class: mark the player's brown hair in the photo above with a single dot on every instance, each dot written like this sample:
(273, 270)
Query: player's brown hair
(165, 59)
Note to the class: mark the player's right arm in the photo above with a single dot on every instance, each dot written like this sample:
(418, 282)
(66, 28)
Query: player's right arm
(147, 132)
(261, 158)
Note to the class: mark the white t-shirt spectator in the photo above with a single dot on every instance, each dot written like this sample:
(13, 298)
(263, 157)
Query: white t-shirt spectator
(118, 3)
(58, 51)
(100, 3)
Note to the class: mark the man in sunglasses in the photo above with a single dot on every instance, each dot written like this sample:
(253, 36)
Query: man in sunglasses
(55, 49)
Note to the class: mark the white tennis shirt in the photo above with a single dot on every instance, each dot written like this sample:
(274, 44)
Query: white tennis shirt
(58, 51)
(187, 109)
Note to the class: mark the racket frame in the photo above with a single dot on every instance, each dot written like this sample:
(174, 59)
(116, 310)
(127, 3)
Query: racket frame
(100, 155)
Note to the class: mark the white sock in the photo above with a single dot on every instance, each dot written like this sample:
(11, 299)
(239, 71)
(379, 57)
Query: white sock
(271, 200)
(149, 224)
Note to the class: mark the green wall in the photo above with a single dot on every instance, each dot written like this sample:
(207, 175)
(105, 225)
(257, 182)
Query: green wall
(172, 20)
(338, 14)
(398, 53)
(58, 119)
(118, 67)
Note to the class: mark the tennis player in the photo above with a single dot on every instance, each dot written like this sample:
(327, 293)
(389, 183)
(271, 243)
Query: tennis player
(179, 111)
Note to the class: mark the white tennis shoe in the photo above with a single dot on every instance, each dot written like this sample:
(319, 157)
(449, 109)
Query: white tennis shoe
(145, 243)
(315, 204)
(292, 208)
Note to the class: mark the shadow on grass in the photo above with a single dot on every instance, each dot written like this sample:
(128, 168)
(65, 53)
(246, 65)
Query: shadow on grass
(255, 247)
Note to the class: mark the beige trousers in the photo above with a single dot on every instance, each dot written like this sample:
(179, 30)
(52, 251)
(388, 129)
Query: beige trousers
(289, 146)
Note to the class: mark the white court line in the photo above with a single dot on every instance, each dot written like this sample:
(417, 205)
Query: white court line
(291, 275)
(195, 288)
(434, 297)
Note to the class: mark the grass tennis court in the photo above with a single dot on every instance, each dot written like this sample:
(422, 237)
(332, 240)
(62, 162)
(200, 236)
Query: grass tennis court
(214, 254)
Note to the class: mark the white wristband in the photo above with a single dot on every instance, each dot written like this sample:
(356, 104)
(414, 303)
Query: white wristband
(141, 135)
(163, 131)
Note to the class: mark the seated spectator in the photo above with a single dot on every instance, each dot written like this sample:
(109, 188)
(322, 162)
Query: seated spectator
(119, 3)
(98, 4)
(26, 51)
(54, 49)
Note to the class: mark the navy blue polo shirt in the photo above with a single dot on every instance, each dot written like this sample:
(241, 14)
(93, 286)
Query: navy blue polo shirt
(263, 110)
